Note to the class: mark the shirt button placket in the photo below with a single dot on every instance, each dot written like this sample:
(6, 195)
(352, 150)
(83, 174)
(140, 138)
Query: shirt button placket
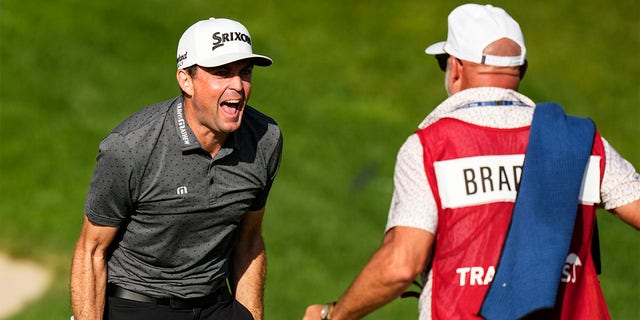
(212, 181)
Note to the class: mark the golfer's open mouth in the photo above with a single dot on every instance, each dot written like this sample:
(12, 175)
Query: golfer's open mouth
(231, 107)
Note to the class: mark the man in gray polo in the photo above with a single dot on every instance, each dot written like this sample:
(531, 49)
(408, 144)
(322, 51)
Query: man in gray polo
(173, 215)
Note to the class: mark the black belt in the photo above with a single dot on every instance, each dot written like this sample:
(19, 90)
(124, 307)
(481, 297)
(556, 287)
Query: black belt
(219, 295)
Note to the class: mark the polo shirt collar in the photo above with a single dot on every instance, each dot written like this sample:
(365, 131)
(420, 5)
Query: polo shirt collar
(188, 139)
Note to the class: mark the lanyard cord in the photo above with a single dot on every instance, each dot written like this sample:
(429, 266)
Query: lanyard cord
(493, 103)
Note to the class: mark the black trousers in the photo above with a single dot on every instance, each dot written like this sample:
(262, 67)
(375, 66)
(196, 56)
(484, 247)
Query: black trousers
(123, 309)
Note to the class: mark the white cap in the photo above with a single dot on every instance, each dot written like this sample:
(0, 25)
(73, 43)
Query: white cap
(216, 42)
(472, 27)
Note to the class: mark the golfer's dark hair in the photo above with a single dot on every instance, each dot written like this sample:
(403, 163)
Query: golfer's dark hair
(191, 70)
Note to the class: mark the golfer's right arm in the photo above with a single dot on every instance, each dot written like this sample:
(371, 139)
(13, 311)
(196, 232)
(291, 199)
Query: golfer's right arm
(89, 271)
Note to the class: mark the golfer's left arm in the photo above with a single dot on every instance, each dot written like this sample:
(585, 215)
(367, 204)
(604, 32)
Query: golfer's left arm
(250, 264)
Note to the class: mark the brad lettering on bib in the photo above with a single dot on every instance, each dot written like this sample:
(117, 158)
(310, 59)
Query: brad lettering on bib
(485, 179)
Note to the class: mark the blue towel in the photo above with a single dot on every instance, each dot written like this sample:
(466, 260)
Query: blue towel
(537, 243)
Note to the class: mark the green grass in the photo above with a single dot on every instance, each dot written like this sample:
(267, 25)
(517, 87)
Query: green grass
(349, 83)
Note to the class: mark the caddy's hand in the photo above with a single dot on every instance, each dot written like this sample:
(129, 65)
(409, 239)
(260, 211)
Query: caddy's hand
(313, 312)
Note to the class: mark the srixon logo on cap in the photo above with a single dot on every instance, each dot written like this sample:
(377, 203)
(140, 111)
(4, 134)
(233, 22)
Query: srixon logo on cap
(220, 38)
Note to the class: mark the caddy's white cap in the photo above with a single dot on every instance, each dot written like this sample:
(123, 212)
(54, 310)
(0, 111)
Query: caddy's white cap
(472, 27)
(216, 42)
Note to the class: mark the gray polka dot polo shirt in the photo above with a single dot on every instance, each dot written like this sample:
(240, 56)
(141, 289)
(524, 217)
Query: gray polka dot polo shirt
(177, 208)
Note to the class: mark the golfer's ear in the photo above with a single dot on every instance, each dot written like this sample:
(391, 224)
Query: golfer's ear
(185, 81)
